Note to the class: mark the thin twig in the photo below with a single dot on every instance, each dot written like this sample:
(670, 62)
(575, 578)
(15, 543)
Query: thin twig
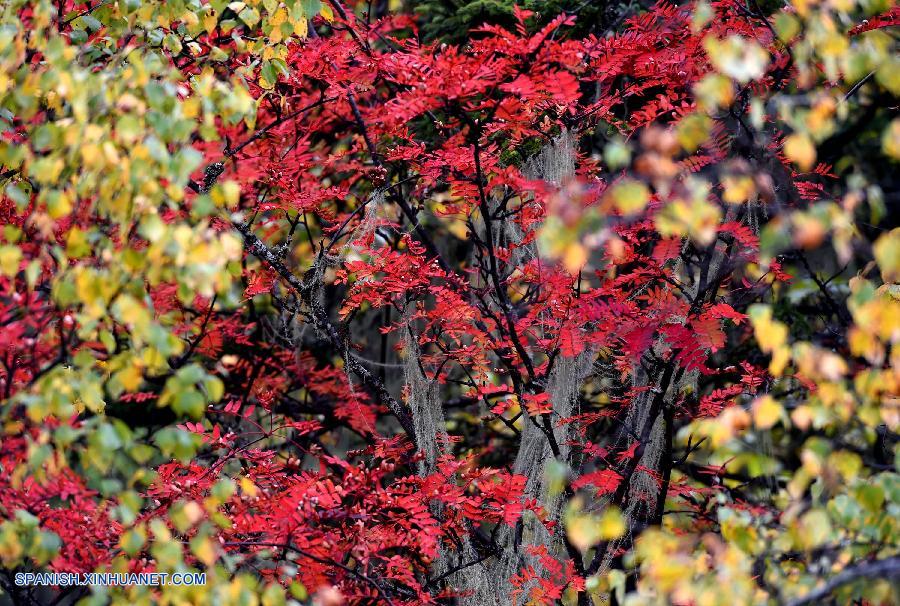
(888, 568)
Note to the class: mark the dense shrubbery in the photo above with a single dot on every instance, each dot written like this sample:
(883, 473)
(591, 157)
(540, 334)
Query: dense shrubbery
(468, 302)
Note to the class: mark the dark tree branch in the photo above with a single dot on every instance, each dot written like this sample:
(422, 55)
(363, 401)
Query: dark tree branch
(290, 546)
(888, 568)
(320, 317)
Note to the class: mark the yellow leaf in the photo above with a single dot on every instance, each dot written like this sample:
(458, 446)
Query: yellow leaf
(209, 22)
(10, 257)
(833, 45)
(458, 228)
(203, 548)
(800, 149)
(809, 230)
(737, 57)
(815, 528)
(301, 27)
(770, 334)
(129, 310)
(58, 205)
(887, 254)
(611, 524)
(77, 243)
(737, 188)
(698, 219)
(890, 140)
(91, 155)
(780, 358)
(819, 118)
(630, 196)
(227, 194)
(714, 91)
(193, 512)
(729, 423)
(279, 17)
(133, 540)
(10, 547)
(766, 412)
(582, 530)
(248, 487)
(830, 366)
(802, 417)
(274, 37)
(160, 530)
(131, 376)
(575, 257)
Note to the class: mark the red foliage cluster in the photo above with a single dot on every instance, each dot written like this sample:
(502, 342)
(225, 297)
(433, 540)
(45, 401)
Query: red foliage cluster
(368, 121)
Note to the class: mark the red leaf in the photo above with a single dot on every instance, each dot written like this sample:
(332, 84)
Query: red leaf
(709, 333)
(605, 480)
(724, 310)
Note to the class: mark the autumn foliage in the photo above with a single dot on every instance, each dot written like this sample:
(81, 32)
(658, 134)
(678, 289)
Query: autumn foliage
(506, 304)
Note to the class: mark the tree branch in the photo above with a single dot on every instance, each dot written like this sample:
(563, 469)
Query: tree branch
(256, 247)
(888, 568)
(324, 561)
